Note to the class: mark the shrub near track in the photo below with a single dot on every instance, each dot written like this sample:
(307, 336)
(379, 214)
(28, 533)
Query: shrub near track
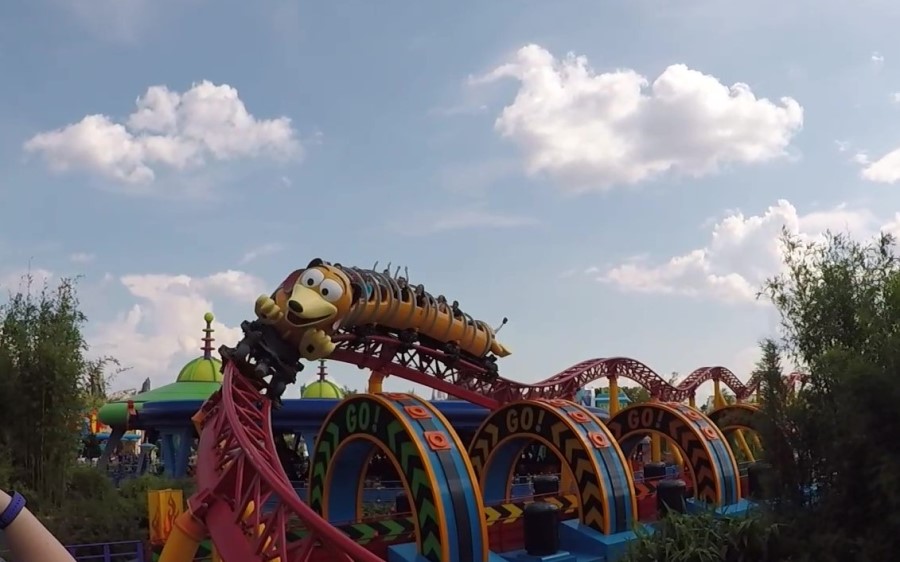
(839, 302)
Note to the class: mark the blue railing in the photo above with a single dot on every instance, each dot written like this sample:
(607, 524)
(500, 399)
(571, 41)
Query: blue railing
(125, 551)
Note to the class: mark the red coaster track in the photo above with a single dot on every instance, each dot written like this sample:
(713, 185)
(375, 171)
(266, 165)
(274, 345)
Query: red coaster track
(238, 472)
(469, 381)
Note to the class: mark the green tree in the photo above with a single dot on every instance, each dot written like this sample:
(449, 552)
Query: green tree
(96, 378)
(782, 446)
(636, 394)
(42, 369)
(834, 487)
(839, 302)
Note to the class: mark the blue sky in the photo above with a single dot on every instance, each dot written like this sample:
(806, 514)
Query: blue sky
(621, 200)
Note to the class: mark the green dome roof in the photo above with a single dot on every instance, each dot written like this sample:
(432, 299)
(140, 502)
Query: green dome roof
(196, 381)
(322, 389)
(201, 369)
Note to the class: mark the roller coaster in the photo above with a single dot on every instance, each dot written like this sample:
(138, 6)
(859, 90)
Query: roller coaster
(251, 512)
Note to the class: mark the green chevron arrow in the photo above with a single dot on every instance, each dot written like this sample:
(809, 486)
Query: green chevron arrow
(364, 533)
(431, 548)
(319, 470)
(334, 431)
(393, 429)
(393, 528)
(419, 480)
(328, 445)
(407, 452)
(315, 496)
(325, 449)
(426, 511)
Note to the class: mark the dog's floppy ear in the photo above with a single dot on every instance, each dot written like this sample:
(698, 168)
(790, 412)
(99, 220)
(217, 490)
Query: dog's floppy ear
(288, 284)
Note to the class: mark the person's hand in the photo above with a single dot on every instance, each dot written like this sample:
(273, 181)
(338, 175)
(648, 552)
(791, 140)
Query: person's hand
(4, 501)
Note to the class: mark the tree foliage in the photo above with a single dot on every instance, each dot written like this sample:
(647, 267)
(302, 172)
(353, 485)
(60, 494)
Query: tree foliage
(47, 385)
(705, 538)
(834, 492)
(840, 312)
(114, 514)
(636, 394)
(42, 370)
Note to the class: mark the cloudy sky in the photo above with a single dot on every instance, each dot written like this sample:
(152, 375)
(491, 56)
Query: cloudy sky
(612, 176)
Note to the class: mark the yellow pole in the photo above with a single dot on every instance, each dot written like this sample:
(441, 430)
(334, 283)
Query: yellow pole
(756, 442)
(375, 382)
(676, 453)
(182, 543)
(742, 443)
(692, 401)
(655, 448)
(613, 395)
(718, 398)
(655, 441)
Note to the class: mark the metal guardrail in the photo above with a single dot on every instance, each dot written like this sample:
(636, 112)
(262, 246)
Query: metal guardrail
(123, 551)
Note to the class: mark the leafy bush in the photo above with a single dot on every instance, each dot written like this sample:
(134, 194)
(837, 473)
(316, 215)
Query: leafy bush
(95, 511)
(706, 538)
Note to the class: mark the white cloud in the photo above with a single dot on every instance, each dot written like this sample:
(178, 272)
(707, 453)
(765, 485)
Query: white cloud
(594, 131)
(167, 131)
(465, 219)
(162, 330)
(742, 253)
(877, 58)
(895, 97)
(883, 170)
(82, 257)
(260, 252)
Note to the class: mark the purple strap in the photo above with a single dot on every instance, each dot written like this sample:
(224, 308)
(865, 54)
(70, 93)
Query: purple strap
(15, 507)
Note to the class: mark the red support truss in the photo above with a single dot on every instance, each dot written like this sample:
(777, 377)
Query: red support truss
(466, 380)
(238, 472)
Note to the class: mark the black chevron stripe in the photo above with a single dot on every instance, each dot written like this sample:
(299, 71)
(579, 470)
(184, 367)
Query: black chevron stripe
(477, 455)
(430, 525)
(587, 481)
(503, 513)
(378, 530)
(644, 489)
(620, 492)
(506, 511)
(583, 477)
(695, 453)
(454, 481)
